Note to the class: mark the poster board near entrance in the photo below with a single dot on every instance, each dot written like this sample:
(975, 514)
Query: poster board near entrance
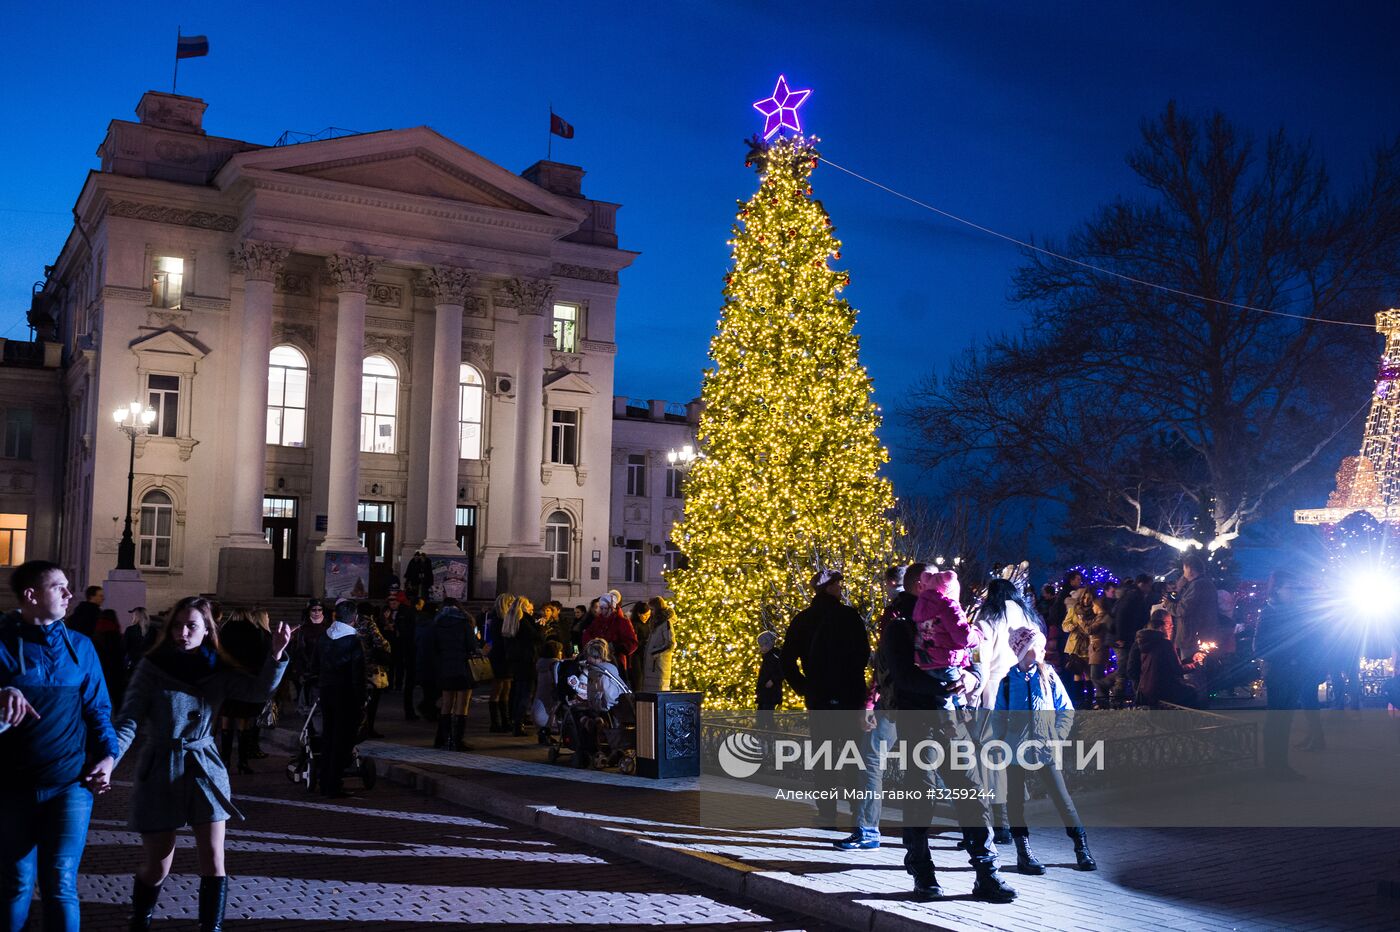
(347, 575)
(450, 578)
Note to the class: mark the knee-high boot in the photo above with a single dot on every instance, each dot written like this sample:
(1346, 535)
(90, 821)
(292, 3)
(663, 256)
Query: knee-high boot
(213, 895)
(143, 904)
(444, 723)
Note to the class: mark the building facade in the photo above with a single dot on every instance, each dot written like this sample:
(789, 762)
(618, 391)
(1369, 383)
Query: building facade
(648, 495)
(31, 427)
(356, 348)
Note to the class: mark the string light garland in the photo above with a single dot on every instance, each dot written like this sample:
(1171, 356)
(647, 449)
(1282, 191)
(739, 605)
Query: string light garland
(1089, 266)
(788, 480)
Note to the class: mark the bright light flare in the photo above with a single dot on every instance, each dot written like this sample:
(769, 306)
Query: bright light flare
(1373, 593)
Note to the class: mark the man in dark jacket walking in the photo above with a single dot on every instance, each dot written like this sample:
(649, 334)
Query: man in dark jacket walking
(344, 691)
(923, 711)
(824, 656)
(1130, 615)
(418, 577)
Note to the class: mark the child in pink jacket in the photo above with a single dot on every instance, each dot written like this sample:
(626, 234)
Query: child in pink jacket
(943, 636)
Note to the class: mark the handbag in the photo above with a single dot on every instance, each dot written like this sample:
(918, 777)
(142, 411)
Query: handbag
(267, 718)
(480, 669)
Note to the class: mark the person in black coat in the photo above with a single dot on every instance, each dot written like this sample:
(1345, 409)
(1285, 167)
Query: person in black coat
(1286, 641)
(245, 640)
(770, 674)
(522, 651)
(418, 577)
(424, 663)
(343, 693)
(406, 650)
(453, 643)
(824, 656)
(1130, 615)
(922, 708)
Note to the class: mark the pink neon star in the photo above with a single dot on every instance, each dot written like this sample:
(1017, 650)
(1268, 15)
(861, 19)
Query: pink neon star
(781, 109)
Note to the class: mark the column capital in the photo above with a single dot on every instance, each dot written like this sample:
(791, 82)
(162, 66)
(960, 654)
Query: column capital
(532, 296)
(259, 261)
(449, 284)
(350, 272)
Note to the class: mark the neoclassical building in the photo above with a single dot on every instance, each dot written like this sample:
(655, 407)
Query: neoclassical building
(355, 348)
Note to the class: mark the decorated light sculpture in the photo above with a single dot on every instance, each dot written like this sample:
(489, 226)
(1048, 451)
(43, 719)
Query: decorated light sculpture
(780, 110)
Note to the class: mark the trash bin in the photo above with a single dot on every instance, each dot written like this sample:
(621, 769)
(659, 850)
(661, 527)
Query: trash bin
(668, 735)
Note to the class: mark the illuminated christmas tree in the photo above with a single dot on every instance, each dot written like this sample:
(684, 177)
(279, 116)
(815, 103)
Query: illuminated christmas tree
(788, 474)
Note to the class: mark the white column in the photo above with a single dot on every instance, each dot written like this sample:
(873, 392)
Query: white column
(534, 299)
(450, 286)
(260, 262)
(351, 275)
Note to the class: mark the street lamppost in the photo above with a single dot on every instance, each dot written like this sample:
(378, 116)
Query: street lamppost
(132, 419)
(683, 458)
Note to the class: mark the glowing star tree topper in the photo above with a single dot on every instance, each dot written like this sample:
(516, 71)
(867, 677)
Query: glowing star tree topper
(780, 110)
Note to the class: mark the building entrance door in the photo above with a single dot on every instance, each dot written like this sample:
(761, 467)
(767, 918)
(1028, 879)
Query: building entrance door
(280, 528)
(377, 535)
(466, 542)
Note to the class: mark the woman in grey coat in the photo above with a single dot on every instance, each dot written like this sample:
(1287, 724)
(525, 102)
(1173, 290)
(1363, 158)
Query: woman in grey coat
(173, 698)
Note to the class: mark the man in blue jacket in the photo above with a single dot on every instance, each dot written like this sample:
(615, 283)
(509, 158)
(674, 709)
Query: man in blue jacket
(58, 746)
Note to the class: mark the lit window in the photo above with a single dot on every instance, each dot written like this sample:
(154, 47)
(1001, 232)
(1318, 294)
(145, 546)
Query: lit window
(275, 506)
(672, 558)
(673, 482)
(163, 395)
(14, 531)
(470, 395)
(157, 520)
(558, 532)
(563, 438)
(636, 474)
(379, 400)
(19, 433)
(286, 397)
(632, 561)
(566, 328)
(168, 282)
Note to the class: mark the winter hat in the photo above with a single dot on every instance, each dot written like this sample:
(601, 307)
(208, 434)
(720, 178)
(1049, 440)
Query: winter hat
(766, 640)
(945, 583)
(824, 578)
(1023, 639)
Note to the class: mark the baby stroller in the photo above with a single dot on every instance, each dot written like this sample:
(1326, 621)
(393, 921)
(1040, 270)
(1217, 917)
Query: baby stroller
(305, 766)
(561, 731)
(599, 734)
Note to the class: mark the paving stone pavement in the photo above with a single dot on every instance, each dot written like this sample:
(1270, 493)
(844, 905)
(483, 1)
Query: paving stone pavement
(395, 860)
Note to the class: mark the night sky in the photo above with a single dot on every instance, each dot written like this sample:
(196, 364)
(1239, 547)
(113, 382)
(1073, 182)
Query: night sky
(1016, 115)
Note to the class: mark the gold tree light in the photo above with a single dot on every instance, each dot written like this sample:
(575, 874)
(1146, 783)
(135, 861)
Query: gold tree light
(788, 478)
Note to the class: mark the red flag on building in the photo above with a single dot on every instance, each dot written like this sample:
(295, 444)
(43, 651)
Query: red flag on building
(558, 127)
(191, 46)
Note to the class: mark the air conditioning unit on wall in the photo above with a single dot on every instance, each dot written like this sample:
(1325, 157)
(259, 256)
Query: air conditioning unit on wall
(619, 542)
(505, 386)
(656, 549)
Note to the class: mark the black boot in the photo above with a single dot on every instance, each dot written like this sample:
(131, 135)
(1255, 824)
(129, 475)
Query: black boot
(255, 751)
(143, 904)
(919, 863)
(989, 887)
(1084, 860)
(213, 894)
(444, 723)
(1025, 857)
(458, 728)
(496, 718)
(507, 726)
(1001, 824)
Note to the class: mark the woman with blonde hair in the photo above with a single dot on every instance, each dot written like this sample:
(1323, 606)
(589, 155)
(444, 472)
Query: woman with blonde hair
(523, 638)
(500, 664)
(172, 700)
(656, 652)
(245, 637)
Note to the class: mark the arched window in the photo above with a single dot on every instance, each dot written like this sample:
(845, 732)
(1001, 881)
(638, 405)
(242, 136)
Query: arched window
(379, 403)
(286, 397)
(558, 532)
(156, 528)
(470, 395)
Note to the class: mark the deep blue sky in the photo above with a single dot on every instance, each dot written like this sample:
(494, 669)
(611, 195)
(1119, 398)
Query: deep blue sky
(1015, 114)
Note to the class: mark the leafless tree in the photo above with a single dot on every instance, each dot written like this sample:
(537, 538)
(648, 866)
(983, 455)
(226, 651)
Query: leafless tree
(1122, 401)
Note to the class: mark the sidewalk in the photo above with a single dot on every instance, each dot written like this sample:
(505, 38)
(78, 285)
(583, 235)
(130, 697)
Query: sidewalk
(1149, 879)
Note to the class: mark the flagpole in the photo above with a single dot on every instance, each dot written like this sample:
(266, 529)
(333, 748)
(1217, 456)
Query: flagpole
(549, 143)
(176, 78)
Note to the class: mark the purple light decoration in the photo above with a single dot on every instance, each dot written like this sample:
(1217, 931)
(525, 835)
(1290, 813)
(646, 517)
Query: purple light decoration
(780, 110)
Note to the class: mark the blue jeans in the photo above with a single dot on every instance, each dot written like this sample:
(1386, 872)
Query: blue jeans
(43, 833)
(873, 746)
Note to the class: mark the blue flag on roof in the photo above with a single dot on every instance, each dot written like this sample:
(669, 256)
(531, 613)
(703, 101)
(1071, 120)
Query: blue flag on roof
(191, 46)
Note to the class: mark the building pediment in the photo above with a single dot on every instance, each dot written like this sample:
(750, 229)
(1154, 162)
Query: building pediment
(170, 341)
(569, 382)
(417, 162)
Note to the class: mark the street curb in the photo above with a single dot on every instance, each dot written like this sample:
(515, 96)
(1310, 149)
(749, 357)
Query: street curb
(713, 870)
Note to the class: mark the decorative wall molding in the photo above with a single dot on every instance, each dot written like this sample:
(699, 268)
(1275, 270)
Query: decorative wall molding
(350, 272)
(160, 318)
(200, 302)
(375, 342)
(178, 216)
(584, 273)
(528, 295)
(475, 305)
(297, 283)
(471, 333)
(392, 324)
(259, 261)
(384, 294)
(449, 284)
(479, 354)
(283, 332)
(121, 293)
(597, 346)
